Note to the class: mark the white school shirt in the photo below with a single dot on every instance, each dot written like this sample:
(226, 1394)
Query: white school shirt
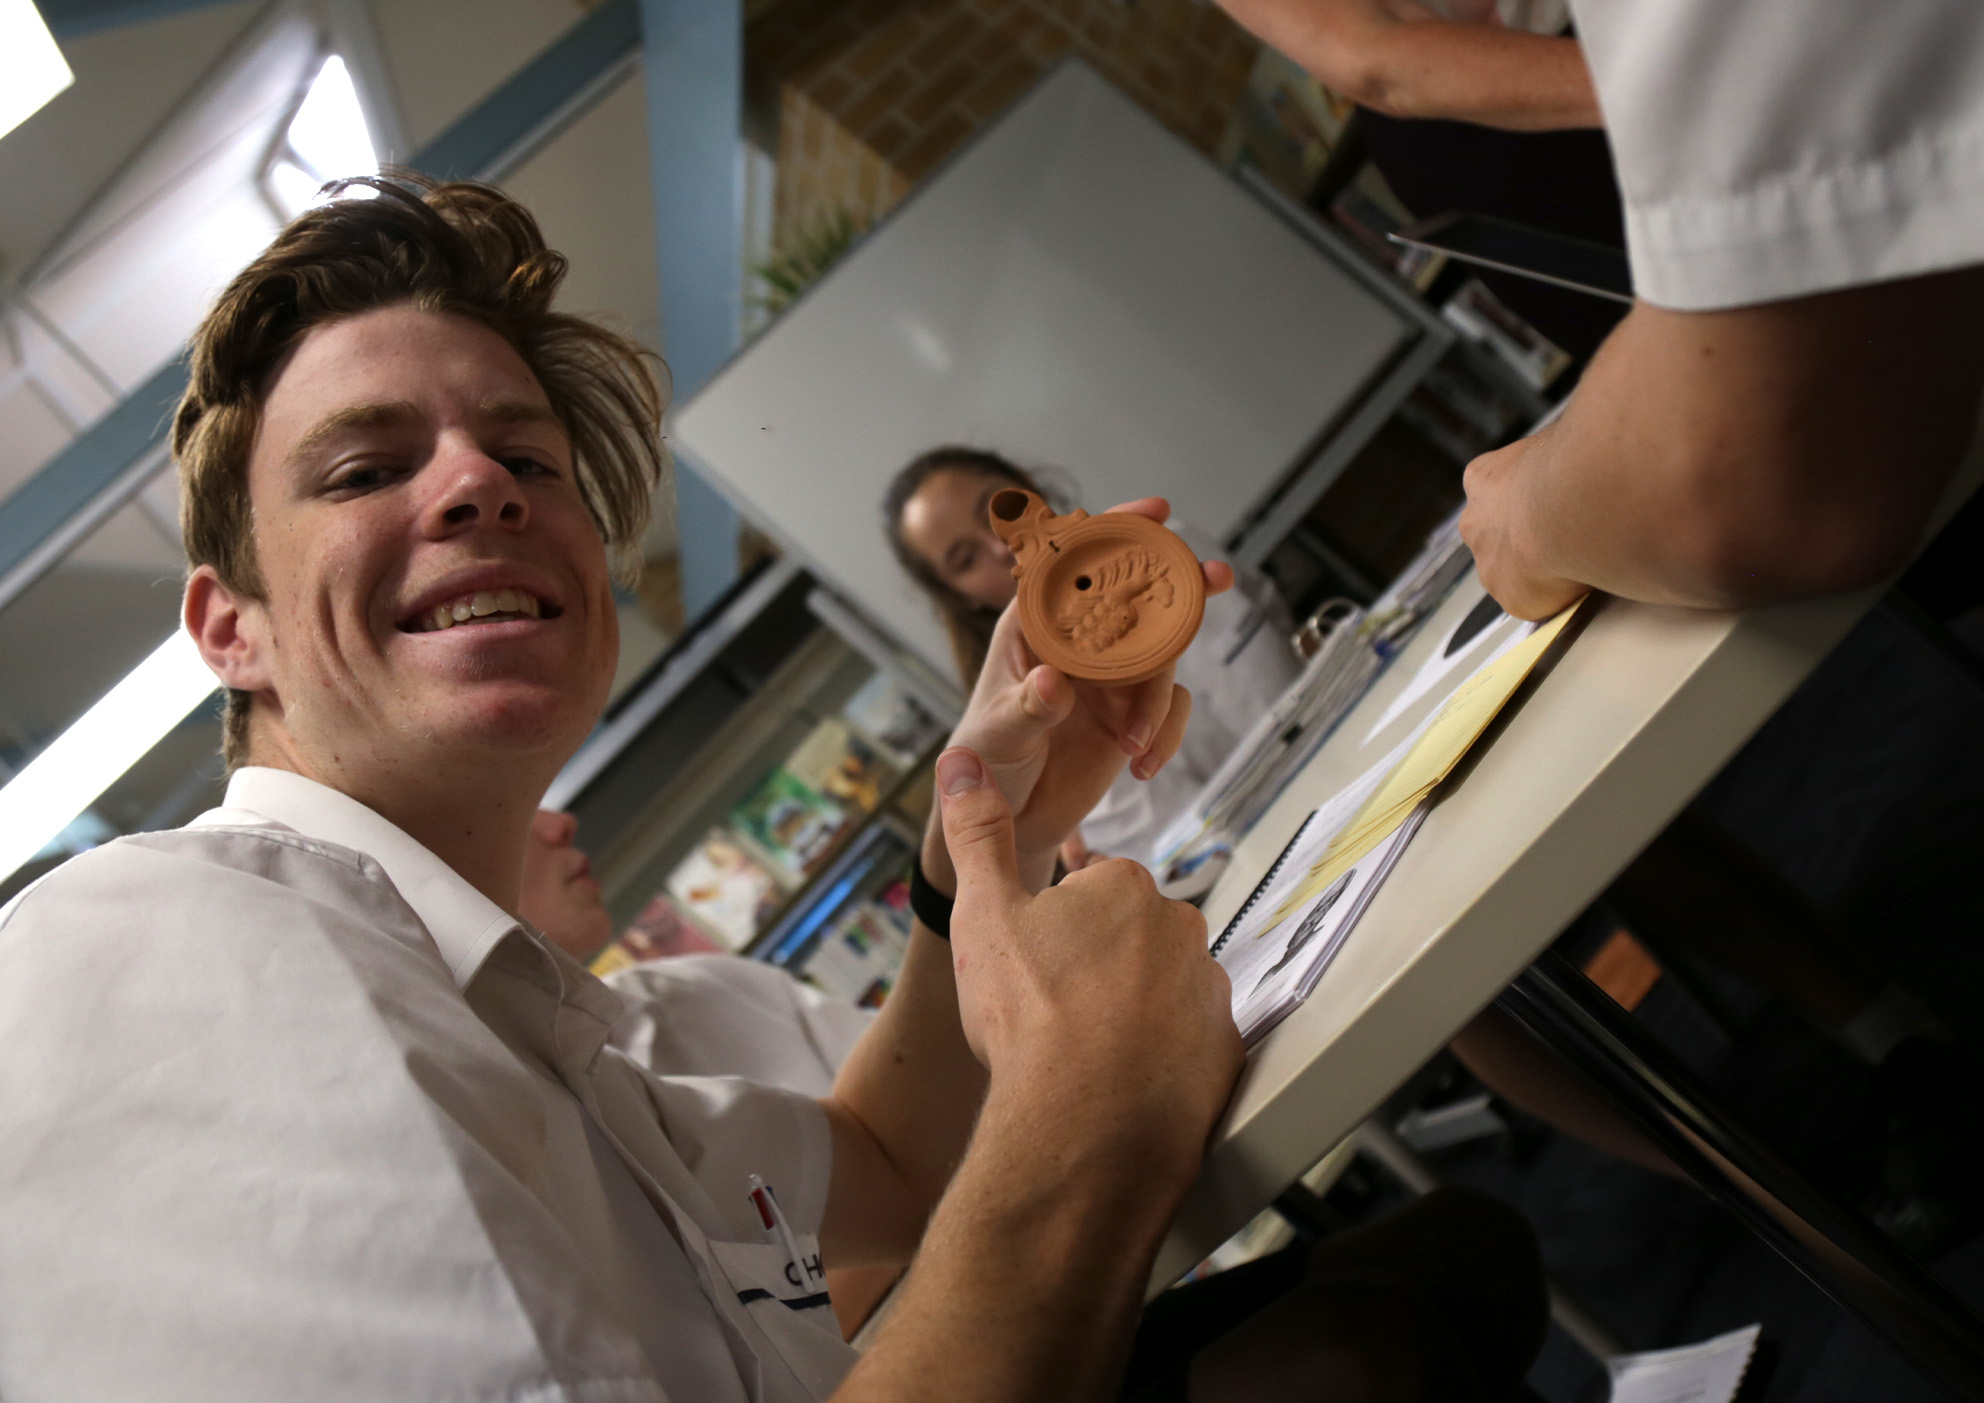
(724, 1015)
(1774, 148)
(290, 1111)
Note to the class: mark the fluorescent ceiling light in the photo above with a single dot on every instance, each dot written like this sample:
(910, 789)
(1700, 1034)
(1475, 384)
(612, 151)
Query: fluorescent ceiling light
(329, 129)
(32, 69)
(327, 140)
(111, 737)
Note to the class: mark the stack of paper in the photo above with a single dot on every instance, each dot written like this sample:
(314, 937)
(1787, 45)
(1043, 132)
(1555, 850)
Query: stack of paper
(1435, 751)
(1352, 647)
(1273, 749)
(1275, 964)
(1276, 948)
(1424, 582)
(1710, 1372)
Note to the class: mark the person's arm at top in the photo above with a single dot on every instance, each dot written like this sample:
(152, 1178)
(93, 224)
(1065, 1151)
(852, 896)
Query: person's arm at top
(1729, 458)
(1404, 61)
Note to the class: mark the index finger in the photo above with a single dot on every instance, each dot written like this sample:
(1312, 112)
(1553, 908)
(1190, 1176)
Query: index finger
(1149, 704)
(1158, 509)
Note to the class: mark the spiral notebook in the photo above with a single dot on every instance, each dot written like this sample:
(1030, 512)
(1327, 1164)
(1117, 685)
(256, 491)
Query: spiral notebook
(1274, 964)
(1276, 948)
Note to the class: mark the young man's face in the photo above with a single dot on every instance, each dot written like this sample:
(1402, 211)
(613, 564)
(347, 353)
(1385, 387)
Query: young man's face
(435, 586)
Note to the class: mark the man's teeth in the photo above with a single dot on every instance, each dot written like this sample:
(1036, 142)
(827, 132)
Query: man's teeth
(481, 605)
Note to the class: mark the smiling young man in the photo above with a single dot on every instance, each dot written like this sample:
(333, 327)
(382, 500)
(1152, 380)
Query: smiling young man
(335, 1124)
(342, 1127)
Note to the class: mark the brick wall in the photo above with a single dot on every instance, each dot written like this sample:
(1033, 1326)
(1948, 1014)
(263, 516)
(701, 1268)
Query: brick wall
(874, 94)
(823, 167)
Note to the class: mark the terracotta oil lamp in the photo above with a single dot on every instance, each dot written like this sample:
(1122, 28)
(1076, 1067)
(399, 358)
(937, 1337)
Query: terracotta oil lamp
(1111, 598)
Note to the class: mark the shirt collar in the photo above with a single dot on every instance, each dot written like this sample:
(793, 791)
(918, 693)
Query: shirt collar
(465, 924)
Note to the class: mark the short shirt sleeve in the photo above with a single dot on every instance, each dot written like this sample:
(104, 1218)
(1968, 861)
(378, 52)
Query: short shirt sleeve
(725, 1129)
(1769, 149)
(719, 1015)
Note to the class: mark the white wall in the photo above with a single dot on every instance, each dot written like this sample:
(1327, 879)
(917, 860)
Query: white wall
(1079, 289)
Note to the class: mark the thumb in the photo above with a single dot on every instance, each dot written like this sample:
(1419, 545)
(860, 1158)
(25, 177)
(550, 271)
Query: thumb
(978, 831)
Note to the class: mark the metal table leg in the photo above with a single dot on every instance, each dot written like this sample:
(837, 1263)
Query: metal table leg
(1842, 1254)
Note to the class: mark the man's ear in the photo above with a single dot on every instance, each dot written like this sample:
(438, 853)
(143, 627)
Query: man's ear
(230, 629)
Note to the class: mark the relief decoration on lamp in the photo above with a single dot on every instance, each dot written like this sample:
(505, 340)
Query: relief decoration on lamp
(1111, 598)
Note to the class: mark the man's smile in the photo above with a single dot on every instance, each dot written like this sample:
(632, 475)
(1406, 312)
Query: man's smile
(482, 606)
(476, 597)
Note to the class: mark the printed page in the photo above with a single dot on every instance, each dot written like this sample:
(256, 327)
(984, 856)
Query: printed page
(1437, 746)
(1469, 643)
(1276, 966)
(1709, 1372)
(1277, 947)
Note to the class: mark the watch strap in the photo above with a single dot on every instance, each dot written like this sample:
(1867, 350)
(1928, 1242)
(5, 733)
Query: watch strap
(929, 905)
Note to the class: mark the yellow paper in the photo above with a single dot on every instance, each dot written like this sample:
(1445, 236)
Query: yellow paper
(1453, 732)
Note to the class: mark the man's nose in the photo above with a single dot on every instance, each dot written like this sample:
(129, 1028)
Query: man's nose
(472, 488)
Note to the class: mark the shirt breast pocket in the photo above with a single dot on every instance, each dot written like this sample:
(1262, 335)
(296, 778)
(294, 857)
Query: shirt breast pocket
(761, 1271)
(788, 1300)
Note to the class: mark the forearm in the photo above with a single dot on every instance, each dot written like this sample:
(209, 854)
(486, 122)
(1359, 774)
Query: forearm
(1734, 458)
(1032, 1274)
(912, 1081)
(1476, 73)
(1430, 68)
(1094, 1119)
(911, 1090)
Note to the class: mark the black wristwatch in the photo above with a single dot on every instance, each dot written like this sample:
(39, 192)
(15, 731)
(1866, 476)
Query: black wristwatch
(929, 905)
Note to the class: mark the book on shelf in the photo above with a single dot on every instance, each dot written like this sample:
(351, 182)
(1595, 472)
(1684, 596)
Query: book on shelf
(724, 889)
(892, 904)
(844, 765)
(1368, 222)
(1286, 125)
(1482, 316)
(895, 722)
(860, 957)
(791, 823)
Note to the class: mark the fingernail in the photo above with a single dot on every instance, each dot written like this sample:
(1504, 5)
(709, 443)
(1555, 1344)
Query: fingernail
(1140, 735)
(958, 771)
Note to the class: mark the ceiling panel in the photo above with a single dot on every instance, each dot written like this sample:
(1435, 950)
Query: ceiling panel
(127, 83)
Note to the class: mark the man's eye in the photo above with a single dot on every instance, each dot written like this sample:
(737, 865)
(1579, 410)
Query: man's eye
(359, 479)
(528, 467)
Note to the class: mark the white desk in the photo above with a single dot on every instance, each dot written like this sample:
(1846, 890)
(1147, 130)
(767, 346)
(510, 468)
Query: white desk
(1637, 714)
(1590, 763)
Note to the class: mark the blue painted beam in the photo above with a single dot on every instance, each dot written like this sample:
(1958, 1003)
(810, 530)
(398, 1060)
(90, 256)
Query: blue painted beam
(76, 477)
(694, 56)
(72, 19)
(491, 137)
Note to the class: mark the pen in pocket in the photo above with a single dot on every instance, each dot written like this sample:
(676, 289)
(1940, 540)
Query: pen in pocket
(775, 1224)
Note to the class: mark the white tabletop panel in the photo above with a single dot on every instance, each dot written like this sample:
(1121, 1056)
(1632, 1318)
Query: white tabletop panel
(1633, 715)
